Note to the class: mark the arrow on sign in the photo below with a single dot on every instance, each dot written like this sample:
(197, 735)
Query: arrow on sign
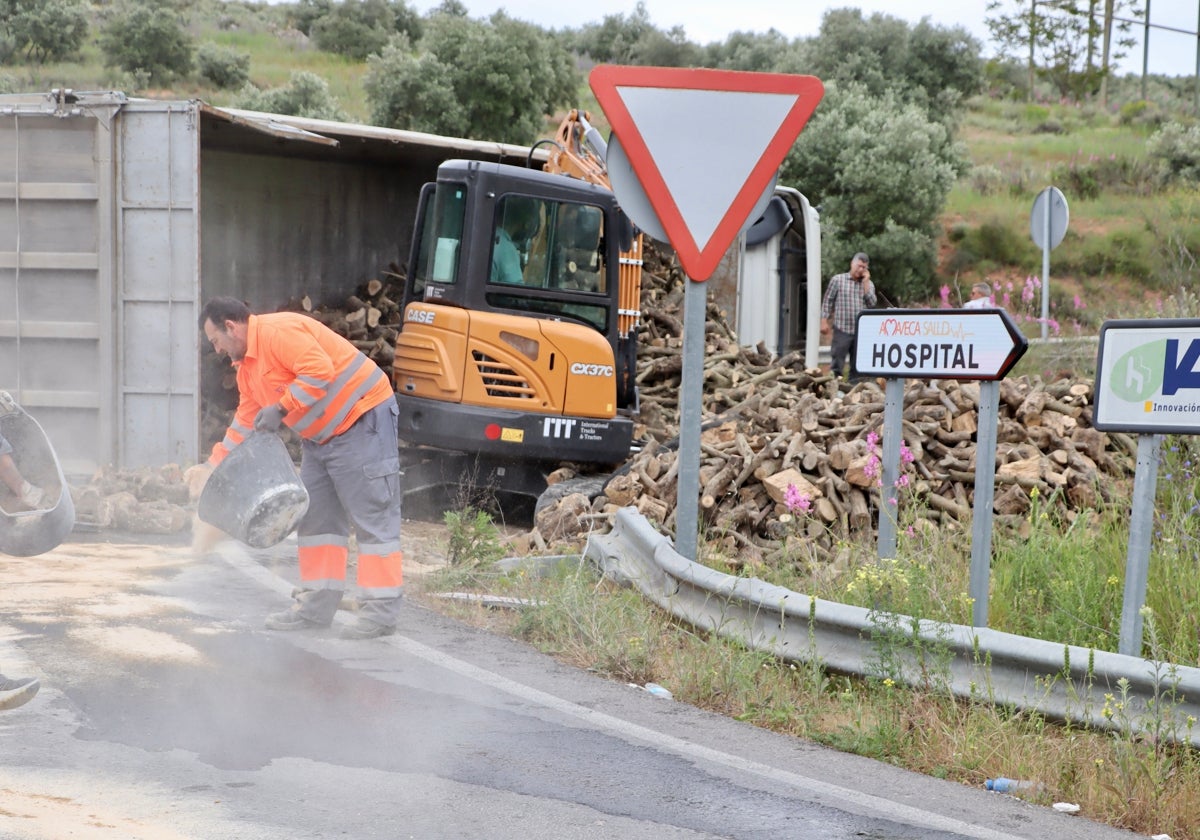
(938, 343)
(704, 144)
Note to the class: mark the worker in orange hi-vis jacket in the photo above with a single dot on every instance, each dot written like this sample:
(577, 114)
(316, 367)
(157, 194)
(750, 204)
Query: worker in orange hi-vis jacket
(293, 370)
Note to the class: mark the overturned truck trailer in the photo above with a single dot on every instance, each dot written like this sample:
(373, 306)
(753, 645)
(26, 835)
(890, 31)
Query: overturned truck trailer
(119, 217)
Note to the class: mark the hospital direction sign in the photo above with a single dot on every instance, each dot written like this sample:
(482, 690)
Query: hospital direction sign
(1148, 377)
(938, 343)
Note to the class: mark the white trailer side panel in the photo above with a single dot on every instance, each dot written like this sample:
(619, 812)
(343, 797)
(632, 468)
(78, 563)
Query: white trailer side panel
(98, 277)
(156, 224)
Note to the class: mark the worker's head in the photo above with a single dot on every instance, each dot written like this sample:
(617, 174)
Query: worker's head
(224, 321)
(519, 216)
(981, 290)
(860, 265)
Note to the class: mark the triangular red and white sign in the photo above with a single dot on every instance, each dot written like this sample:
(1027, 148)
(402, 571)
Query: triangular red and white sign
(704, 144)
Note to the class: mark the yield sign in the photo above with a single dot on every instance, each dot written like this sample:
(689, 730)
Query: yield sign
(704, 144)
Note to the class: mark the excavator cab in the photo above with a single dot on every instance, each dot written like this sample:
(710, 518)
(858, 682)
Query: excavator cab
(538, 252)
(510, 346)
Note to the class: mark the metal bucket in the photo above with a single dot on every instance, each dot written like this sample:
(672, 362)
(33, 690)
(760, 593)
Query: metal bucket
(255, 495)
(25, 532)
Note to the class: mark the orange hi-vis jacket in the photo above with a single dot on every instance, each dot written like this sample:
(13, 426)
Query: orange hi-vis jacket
(323, 382)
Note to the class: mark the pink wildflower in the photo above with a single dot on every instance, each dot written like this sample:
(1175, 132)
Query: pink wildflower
(945, 294)
(1031, 286)
(796, 501)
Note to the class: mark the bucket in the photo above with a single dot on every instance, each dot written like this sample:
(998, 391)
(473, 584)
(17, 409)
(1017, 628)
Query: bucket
(254, 495)
(25, 532)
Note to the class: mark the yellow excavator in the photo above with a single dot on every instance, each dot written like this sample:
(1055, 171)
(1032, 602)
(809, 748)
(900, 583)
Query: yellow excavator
(519, 344)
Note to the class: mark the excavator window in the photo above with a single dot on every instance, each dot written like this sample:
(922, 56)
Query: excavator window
(554, 247)
(443, 210)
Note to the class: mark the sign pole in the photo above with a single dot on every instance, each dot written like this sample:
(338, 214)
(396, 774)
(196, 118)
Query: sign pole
(1137, 559)
(687, 502)
(1046, 271)
(654, 169)
(1047, 225)
(985, 494)
(893, 431)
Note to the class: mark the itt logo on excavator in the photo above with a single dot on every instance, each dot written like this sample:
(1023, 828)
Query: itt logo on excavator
(557, 427)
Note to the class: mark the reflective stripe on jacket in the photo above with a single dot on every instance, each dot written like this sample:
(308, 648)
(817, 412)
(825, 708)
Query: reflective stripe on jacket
(323, 382)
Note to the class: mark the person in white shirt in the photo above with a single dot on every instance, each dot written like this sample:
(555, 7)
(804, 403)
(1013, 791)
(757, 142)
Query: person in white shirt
(981, 297)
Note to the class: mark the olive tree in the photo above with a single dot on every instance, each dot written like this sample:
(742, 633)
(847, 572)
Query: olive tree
(150, 38)
(305, 95)
(495, 79)
(880, 170)
(46, 30)
(934, 66)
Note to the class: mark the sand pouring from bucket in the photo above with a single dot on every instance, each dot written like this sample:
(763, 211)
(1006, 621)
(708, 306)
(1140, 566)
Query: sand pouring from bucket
(254, 495)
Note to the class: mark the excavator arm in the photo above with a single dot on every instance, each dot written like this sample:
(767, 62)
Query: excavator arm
(579, 150)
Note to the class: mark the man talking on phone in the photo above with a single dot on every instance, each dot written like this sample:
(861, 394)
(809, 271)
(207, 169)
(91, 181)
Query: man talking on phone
(847, 295)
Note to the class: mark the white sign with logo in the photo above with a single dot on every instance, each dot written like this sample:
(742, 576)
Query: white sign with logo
(938, 343)
(1148, 377)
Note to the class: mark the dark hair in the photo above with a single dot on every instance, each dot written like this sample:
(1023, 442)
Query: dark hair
(222, 309)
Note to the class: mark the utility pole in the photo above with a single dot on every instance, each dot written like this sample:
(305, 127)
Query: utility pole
(1145, 49)
(1032, 39)
(1108, 22)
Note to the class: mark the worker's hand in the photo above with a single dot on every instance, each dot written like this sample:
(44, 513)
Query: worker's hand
(269, 419)
(825, 326)
(195, 478)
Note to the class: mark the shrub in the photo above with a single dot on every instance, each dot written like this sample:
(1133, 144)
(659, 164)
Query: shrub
(305, 95)
(47, 30)
(307, 12)
(1122, 253)
(225, 67)
(1135, 113)
(1176, 151)
(986, 179)
(148, 38)
(994, 241)
(1088, 179)
(1035, 114)
(350, 32)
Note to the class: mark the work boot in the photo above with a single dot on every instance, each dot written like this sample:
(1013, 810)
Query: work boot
(364, 628)
(291, 619)
(17, 692)
(313, 608)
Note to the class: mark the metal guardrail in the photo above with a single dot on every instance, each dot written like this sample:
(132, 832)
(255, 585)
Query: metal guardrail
(1062, 682)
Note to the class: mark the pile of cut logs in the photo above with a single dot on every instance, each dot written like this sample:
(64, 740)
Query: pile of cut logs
(770, 424)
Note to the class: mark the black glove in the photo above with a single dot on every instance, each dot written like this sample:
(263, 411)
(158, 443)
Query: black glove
(269, 419)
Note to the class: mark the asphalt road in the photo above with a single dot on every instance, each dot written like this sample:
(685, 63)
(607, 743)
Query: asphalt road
(167, 712)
